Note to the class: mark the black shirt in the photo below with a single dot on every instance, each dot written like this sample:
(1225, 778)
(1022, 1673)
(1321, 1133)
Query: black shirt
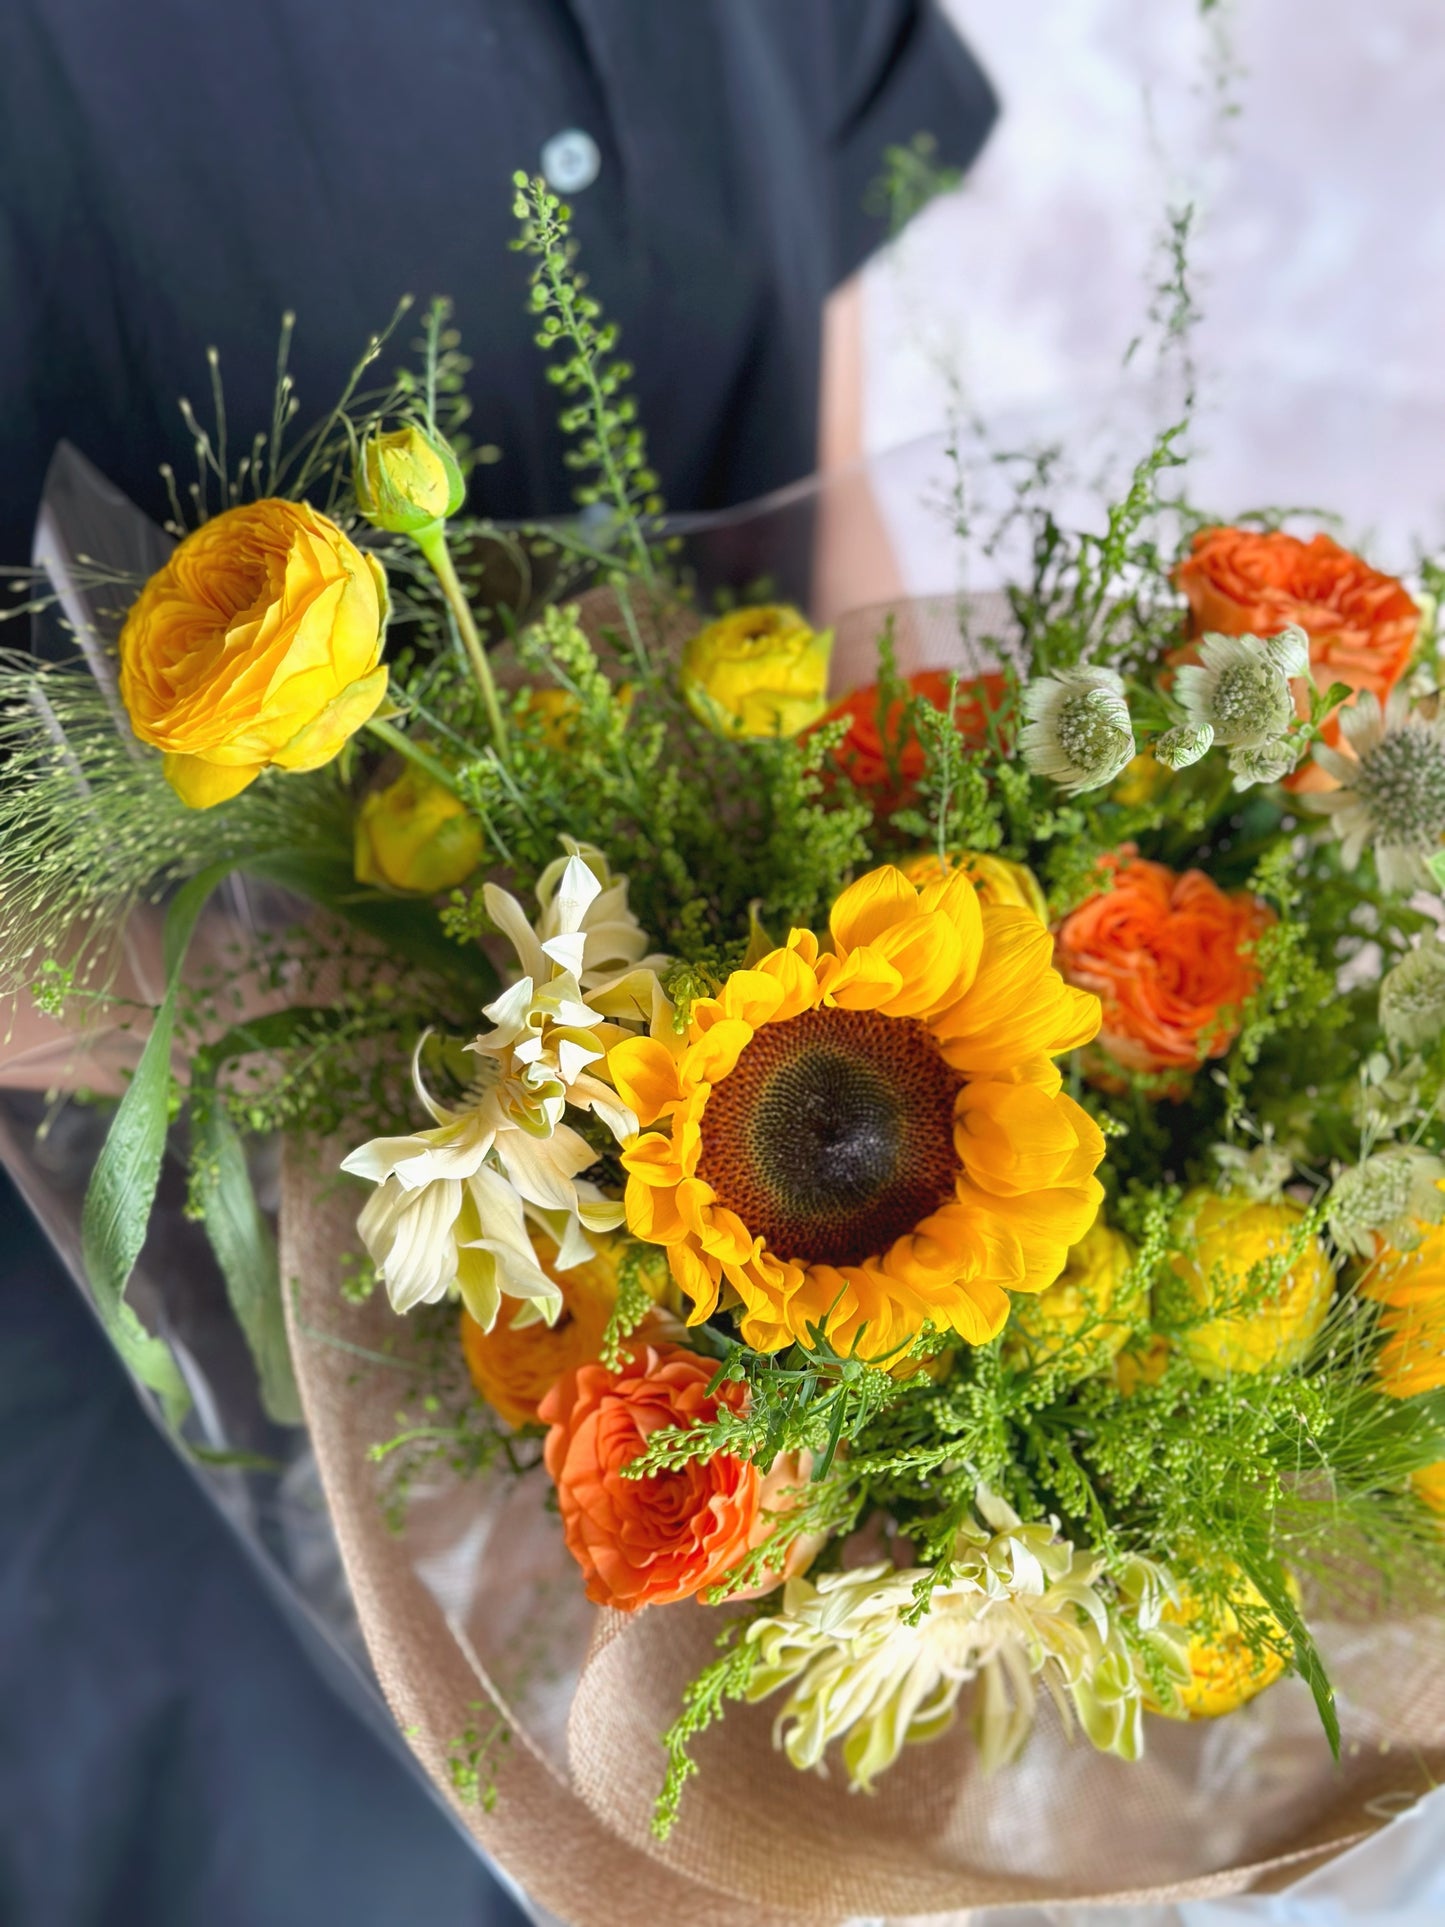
(175, 174)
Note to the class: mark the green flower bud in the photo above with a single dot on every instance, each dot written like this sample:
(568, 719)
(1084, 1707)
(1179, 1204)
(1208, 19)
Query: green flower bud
(407, 481)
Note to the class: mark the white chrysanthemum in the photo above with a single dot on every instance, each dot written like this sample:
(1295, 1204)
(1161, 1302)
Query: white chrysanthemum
(1078, 731)
(451, 1209)
(1388, 1195)
(1391, 794)
(1021, 1607)
(1177, 748)
(1240, 687)
(1267, 762)
(1412, 996)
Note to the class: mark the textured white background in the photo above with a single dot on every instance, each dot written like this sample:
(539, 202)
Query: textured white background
(1320, 260)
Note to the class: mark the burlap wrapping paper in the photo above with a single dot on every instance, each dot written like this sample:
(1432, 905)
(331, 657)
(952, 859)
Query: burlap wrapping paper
(476, 1606)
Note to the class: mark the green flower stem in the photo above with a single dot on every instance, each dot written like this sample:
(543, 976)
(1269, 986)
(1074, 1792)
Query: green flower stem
(414, 754)
(433, 544)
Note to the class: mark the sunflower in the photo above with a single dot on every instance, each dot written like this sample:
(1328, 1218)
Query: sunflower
(861, 1139)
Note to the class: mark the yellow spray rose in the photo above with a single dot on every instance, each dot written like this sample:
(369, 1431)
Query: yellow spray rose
(1229, 1661)
(758, 672)
(1223, 1238)
(1070, 1323)
(258, 643)
(997, 880)
(415, 835)
(407, 480)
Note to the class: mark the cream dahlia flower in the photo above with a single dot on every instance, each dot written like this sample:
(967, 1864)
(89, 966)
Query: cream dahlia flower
(1022, 1606)
(454, 1201)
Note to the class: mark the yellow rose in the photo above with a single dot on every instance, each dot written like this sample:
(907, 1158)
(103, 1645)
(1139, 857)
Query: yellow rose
(258, 643)
(1069, 1323)
(415, 835)
(1228, 1662)
(999, 882)
(758, 672)
(407, 481)
(1224, 1238)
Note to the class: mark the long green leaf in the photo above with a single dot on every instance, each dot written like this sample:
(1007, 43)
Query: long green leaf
(245, 1250)
(122, 1187)
(221, 1189)
(1268, 1576)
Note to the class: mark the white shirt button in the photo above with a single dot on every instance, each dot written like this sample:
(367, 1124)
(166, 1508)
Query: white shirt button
(571, 161)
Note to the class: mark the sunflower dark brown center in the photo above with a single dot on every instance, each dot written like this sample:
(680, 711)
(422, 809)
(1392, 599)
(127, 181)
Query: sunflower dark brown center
(833, 1134)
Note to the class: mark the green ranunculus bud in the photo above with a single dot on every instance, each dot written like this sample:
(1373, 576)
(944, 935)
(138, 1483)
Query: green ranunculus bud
(407, 481)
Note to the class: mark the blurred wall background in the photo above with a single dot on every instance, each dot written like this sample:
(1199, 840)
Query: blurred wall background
(1319, 257)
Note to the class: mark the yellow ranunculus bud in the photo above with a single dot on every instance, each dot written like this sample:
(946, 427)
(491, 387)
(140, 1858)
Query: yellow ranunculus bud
(1228, 1662)
(758, 672)
(1139, 782)
(414, 835)
(1085, 1316)
(1223, 1239)
(997, 880)
(258, 643)
(555, 711)
(1429, 1484)
(407, 481)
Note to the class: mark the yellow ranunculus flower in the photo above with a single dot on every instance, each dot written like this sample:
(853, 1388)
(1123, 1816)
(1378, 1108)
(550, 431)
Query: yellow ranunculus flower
(407, 480)
(1070, 1323)
(996, 879)
(1227, 1666)
(554, 712)
(1410, 1286)
(758, 672)
(1223, 1239)
(415, 835)
(258, 643)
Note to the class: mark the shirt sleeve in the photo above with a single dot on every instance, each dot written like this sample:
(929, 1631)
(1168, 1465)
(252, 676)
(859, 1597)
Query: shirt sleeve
(901, 71)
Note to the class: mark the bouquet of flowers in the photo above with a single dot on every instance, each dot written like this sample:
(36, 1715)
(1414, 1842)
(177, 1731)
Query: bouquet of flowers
(847, 1228)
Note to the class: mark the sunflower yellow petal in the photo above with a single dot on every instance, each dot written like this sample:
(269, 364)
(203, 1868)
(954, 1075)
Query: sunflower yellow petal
(870, 906)
(646, 1076)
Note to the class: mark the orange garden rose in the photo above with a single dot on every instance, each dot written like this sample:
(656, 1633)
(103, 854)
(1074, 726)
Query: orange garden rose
(257, 644)
(871, 754)
(1362, 625)
(514, 1367)
(653, 1541)
(1169, 956)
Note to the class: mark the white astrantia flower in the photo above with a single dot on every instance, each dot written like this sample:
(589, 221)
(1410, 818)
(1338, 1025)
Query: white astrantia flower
(1412, 996)
(1270, 762)
(1389, 1195)
(454, 1201)
(1177, 748)
(1240, 687)
(1078, 731)
(1020, 1607)
(1391, 794)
